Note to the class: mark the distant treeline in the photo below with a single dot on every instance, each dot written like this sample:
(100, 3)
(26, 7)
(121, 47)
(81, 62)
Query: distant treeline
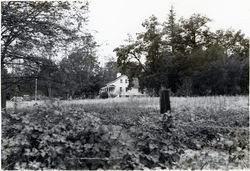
(183, 55)
(187, 57)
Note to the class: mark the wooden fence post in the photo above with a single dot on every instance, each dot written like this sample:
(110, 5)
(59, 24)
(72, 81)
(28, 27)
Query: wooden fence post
(164, 100)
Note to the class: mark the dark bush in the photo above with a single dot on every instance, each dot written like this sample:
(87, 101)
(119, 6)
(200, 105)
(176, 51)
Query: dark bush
(104, 95)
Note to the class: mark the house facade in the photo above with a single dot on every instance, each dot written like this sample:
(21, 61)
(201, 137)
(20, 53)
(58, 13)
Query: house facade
(119, 87)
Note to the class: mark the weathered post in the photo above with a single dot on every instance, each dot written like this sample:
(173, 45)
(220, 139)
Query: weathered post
(164, 100)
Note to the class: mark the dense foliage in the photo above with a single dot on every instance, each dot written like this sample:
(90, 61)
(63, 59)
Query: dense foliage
(187, 57)
(199, 133)
(104, 95)
(54, 137)
(35, 37)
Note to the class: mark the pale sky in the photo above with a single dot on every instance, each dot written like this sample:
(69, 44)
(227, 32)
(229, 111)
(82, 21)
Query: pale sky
(113, 20)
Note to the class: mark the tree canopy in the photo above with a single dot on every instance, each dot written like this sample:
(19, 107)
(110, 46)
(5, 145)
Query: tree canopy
(187, 57)
(34, 34)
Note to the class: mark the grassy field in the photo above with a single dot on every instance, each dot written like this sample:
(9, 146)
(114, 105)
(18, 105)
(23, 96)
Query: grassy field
(213, 132)
(215, 102)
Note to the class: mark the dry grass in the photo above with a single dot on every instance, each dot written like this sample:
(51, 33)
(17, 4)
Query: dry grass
(211, 103)
(190, 103)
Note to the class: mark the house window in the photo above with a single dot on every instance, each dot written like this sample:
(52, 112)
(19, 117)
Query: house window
(126, 81)
(120, 80)
(120, 89)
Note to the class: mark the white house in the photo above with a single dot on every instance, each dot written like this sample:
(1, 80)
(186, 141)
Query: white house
(119, 87)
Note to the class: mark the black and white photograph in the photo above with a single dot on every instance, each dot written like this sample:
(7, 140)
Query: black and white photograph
(125, 85)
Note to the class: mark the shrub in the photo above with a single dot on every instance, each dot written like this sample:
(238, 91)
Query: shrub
(104, 95)
(54, 137)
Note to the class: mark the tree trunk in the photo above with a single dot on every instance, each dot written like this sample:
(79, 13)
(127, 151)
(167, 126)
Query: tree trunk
(164, 100)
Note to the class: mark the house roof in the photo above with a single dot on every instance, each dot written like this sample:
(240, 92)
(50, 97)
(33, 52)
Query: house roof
(115, 80)
(135, 82)
(109, 86)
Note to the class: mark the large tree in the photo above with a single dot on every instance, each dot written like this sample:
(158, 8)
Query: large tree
(195, 32)
(80, 72)
(233, 42)
(29, 27)
(141, 57)
(34, 32)
(172, 34)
